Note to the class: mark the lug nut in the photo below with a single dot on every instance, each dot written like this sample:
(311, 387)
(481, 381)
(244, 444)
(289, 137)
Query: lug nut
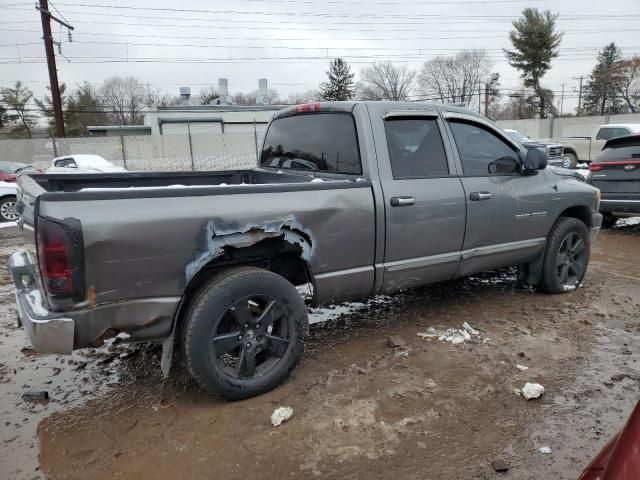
(248, 345)
(259, 338)
(258, 325)
(239, 337)
(246, 325)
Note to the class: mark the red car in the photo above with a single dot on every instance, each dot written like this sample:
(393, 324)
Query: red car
(620, 457)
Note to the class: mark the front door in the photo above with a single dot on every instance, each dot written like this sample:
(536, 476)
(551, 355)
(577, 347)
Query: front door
(506, 210)
(424, 203)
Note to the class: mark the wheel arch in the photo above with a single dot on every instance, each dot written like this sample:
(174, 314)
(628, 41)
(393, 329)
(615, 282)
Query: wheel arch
(581, 212)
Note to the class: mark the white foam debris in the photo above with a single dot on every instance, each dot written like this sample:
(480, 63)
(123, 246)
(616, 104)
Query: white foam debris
(532, 390)
(517, 392)
(522, 368)
(545, 450)
(317, 180)
(470, 329)
(280, 415)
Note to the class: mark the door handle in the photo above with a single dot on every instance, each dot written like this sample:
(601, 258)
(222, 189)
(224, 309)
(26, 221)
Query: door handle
(479, 196)
(402, 201)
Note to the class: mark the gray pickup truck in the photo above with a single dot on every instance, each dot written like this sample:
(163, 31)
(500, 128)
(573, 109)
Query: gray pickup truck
(354, 199)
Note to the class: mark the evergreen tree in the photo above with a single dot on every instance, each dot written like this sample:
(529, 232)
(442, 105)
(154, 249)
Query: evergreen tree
(17, 98)
(535, 43)
(83, 108)
(340, 85)
(46, 106)
(603, 92)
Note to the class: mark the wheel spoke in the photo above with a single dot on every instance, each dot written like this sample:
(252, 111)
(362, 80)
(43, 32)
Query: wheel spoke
(562, 258)
(225, 343)
(575, 268)
(276, 346)
(564, 274)
(269, 314)
(246, 363)
(578, 246)
(241, 313)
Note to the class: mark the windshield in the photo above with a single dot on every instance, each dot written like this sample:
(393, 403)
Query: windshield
(92, 161)
(517, 136)
(14, 167)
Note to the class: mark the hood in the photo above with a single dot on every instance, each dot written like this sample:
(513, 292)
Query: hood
(101, 168)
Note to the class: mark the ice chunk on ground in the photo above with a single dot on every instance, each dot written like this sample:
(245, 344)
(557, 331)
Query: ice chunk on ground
(280, 415)
(522, 368)
(454, 336)
(470, 329)
(545, 450)
(532, 390)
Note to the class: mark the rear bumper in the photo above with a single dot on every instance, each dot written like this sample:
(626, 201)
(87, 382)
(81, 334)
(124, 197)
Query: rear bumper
(620, 204)
(48, 332)
(61, 332)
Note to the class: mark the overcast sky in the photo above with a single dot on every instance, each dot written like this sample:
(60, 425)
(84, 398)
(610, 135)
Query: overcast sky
(289, 42)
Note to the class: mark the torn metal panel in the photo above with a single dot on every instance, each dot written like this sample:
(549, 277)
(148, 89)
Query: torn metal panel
(220, 235)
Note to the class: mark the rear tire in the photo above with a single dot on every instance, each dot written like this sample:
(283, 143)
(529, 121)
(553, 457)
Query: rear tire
(8, 211)
(566, 256)
(608, 220)
(244, 332)
(569, 160)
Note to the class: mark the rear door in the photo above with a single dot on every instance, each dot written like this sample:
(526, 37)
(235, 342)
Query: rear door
(423, 200)
(506, 210)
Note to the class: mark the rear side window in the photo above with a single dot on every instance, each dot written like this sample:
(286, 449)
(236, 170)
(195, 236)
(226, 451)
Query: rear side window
(480, 150)
(627, 150)
(415, 148)
(611, 132)
(319, 142)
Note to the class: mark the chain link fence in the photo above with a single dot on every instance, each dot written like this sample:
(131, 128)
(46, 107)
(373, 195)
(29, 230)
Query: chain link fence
(171, 152)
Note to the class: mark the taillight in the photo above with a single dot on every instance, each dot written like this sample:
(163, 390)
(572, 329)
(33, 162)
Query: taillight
(595, 167)
(7, 177)
(54, 258)
(308, 107)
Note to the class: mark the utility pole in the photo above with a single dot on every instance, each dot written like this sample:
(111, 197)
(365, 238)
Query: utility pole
(46, 16)
(562, 100)
(486, 100)
(479, 93)
(579, 95)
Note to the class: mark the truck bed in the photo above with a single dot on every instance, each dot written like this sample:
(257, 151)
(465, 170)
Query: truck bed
(145, 184)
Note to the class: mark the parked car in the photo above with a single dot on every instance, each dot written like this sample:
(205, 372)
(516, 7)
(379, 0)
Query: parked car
(82, 164)
(616, 172)
(555, 151)
(586, 149)
(9, 172)
(388, 195)
(619, 459)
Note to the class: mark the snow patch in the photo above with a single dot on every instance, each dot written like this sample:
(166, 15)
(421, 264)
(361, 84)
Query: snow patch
(280, 415)
(532, 390)
(454, 336)
(8, 224)
(545, 450)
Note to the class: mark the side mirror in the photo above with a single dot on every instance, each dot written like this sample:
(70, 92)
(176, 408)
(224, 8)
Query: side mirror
(504, 165)
(536, 159)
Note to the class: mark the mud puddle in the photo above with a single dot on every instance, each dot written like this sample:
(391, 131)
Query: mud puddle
(429, 409)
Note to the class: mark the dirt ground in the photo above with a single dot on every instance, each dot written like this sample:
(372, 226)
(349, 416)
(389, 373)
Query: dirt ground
(361, 408)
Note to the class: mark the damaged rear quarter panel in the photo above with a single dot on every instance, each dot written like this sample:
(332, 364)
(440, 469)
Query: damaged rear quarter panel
(151, 247)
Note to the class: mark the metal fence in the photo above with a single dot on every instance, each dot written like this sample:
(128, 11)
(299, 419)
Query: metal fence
(171, 152)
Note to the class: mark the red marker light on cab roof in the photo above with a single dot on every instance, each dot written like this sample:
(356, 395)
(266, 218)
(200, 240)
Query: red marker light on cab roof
(308, 107)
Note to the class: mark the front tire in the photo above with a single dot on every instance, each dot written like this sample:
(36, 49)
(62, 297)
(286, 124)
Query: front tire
(8, 212)
(570, 160)
(244, 332)
(566, 256)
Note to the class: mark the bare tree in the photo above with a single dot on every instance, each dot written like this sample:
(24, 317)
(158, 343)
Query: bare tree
(631, 83)
(207, 96)
(272, 98)
(124, 99)
(454, 79)
(385, 81)
(305, 97)
(157, 97)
